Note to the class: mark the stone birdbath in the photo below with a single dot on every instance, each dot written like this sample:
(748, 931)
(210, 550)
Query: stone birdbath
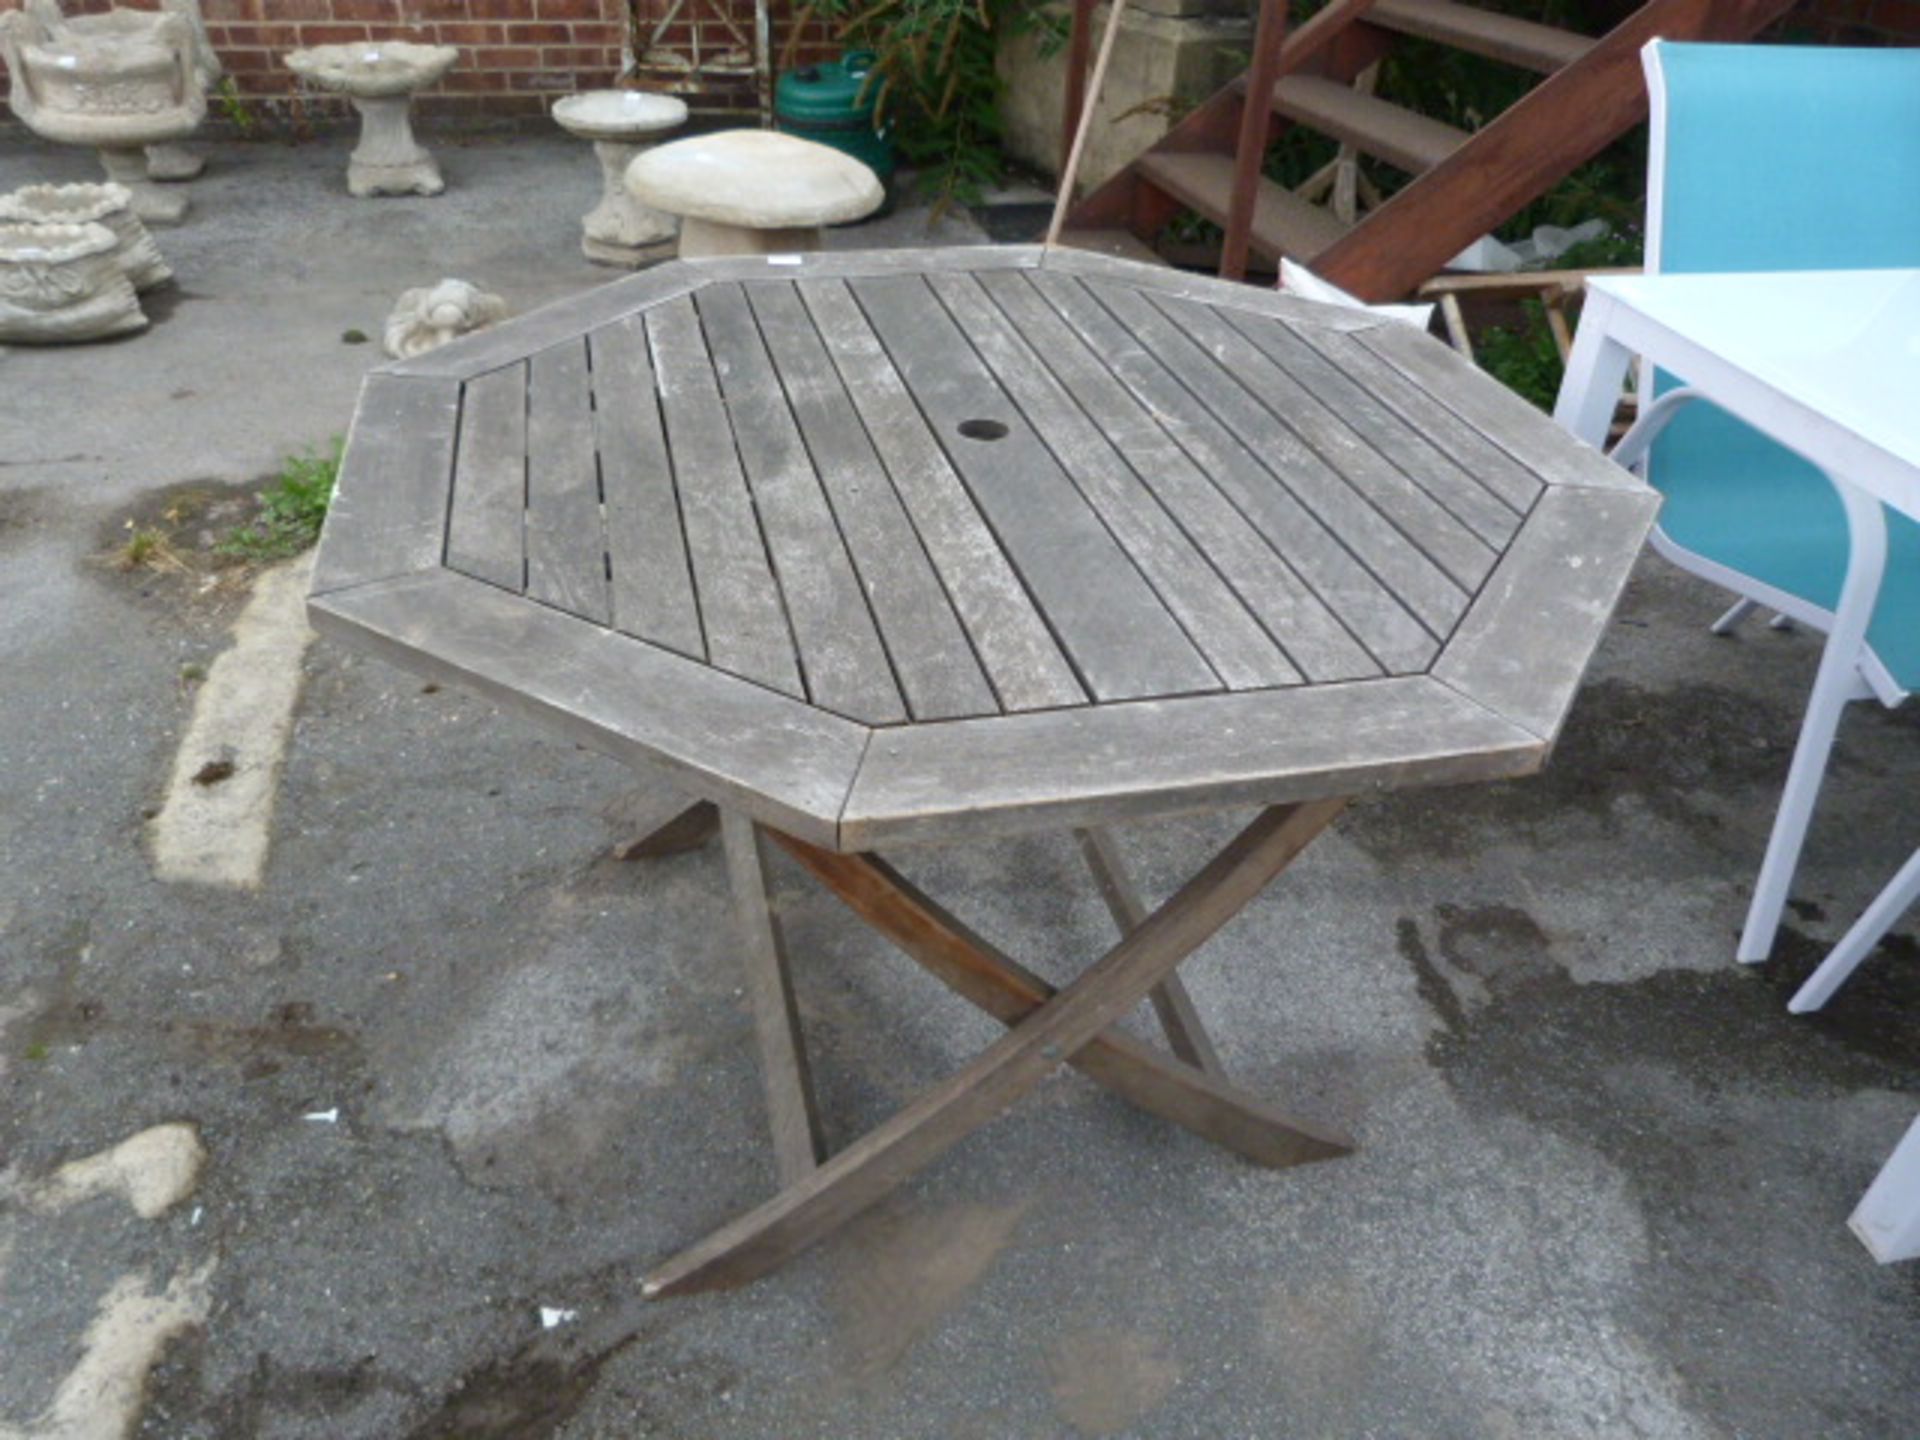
(753, 192)
(118, 93)
(620, 230)
(380, 78)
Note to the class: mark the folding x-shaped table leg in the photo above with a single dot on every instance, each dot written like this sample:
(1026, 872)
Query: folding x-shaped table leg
(1048, 1027)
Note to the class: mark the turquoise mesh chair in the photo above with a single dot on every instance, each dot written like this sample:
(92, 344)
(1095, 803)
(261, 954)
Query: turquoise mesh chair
(1781, 158)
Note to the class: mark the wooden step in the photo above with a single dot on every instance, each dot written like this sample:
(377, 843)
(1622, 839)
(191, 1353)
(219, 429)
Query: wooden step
(1523, 43)
(1283, 223)
(1123, 244)
(1373, 126)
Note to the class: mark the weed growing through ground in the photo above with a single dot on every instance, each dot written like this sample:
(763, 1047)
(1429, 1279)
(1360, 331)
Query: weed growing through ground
(292, 509)
(146, 548)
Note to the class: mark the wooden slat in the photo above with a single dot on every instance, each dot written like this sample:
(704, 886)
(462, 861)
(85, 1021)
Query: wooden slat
(852, 264)
(553, 323)
(1283, 223)
(1120, 636)
(566, 539)
(842, 661)
(1376, 127)
(746, 628)
(1374, 614)
(781, 761)
(652, 582)
(936, 667)
(486, 529)
(1021, 657)
(792, 1114)
(389, 514)
(1439, 535)
(1214, 618)
(1255, 299)
(1522, 648)
(1306, 629)
(1492, 466)
(1509, 422)
(1501, 37)
(1416, 580)
(1476, 506)
(1011, 1067)
(974, 778)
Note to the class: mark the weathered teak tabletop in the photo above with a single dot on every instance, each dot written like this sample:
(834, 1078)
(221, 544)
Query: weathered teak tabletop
(916, 546)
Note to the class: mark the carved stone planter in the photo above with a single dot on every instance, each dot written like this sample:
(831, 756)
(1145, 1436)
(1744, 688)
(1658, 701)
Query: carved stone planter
(621, 124)
(109, 205)
(753, 192)
(379, 77)
(164, 162)
(60, 283)
(118, 93)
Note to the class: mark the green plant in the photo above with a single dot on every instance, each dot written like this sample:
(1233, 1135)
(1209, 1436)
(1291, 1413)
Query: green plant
(291, 509)
(233, 107)
(1524, 358)
(934, 80)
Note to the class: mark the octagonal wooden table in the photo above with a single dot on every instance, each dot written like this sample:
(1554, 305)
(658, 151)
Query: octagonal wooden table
(895, 547)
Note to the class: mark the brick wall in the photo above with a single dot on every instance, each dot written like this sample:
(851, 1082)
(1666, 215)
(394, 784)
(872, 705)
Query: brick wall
(517, 56)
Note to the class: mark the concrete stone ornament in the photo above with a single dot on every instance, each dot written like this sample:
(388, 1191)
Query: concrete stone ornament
(427, 318)
(380, 77)
(107, 204)
(164, 161)
(753, 192)
(620, 123)
(118, 89)
(60, 283)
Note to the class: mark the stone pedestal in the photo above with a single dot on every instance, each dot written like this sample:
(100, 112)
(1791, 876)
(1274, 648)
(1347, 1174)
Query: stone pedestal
(380, 78)
(173, 162)
(1162, 64)
(127, 166)
(388, 160)
(622, 124)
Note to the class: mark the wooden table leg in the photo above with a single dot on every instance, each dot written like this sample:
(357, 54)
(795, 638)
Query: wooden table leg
(1186, 1036)
(1052, 1034)
(797, 1143)
(973, 968)
(687, 827)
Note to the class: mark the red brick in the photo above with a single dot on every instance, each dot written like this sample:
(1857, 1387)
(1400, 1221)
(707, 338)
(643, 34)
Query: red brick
(501, 9)
(331, 34)
(386, 11)
(437, 9)
(543, 80)
(471, 34)
(476, 81)
(242, 62)
(214, 10)
(271, 37)
(506, 57)
(598, 32)
(569, 9)
(578, 57)
(535, 32)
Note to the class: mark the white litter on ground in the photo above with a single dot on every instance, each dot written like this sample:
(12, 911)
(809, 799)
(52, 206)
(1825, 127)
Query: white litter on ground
(323, 1117)
(152, 1171)
(550, 1317)
(216, 832)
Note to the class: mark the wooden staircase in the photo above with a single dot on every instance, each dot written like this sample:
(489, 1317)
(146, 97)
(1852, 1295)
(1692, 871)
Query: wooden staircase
(1463, 184)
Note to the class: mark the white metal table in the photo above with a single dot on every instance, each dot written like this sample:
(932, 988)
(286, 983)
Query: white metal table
(1825, 363)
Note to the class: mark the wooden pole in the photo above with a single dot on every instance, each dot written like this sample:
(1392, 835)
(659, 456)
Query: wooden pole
(1072, 168)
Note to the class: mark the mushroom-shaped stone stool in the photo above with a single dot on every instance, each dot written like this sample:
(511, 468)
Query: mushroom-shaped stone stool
(621, 124)
(753, 192)
(379, 77)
